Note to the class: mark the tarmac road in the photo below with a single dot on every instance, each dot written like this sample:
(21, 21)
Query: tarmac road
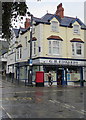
(19, 101)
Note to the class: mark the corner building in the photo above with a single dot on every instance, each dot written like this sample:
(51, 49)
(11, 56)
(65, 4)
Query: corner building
(57, 45)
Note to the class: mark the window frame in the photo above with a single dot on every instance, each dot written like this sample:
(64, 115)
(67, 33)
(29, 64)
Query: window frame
(74, 53)
(51, 47)
(54, 27)
(26, 41)
(75, 30)
(34, 48)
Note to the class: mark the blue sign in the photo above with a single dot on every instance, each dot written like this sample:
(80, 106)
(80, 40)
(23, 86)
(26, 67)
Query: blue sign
(68, 76)
(30, 62)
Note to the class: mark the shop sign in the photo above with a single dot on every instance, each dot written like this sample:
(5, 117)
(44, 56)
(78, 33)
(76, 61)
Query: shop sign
(62, 62)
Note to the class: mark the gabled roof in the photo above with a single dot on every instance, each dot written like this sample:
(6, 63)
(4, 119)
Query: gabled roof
(66, 21)
(16, 31)
(20, 45)
(20, 30)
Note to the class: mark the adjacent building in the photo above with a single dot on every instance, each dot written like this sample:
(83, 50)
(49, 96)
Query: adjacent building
(57, 45)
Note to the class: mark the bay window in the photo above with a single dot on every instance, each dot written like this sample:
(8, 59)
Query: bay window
(77, 49)
(54, 47)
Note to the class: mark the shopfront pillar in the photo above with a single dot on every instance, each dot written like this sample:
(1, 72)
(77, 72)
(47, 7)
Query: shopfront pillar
(57, 74)
(18, 74)
(81, 77)
(25, 74)
(64, 78)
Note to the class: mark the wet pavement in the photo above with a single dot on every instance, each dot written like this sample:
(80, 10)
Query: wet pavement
(20, 101)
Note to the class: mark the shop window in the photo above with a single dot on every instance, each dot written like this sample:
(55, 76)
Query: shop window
(54, 47)
(54, 26)
(76, 29)
(77, 49)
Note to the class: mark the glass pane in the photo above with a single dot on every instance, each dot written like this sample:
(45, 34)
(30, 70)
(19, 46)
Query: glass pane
(79, 52)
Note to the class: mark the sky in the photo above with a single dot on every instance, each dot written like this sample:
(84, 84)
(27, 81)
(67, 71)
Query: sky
(72, 8)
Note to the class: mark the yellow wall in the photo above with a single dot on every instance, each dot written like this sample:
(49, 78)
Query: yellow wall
(66, 34)
(43, 31)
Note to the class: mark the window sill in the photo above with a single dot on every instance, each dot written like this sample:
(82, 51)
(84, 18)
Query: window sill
(77, 56)
(76, 34)
(55, 31)
(53, 55)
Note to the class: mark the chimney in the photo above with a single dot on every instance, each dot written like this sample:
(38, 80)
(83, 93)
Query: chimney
(60, 10)
(27, 23)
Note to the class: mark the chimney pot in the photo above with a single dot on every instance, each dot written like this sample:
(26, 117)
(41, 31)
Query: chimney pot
(60, 10)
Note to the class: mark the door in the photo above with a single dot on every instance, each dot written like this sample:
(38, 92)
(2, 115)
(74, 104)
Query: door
(59, 78)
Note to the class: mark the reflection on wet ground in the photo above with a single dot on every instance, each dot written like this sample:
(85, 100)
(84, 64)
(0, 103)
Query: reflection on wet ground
(19, 101)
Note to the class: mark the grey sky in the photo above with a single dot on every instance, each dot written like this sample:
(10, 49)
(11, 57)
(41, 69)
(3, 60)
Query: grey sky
(72, 8)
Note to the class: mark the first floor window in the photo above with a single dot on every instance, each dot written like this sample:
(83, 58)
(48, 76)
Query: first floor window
(26, 40)
(34, 48)
(77, 48)
(20, 52)
(34, 52)
(54, 47)
(17, 53)
(49, 47)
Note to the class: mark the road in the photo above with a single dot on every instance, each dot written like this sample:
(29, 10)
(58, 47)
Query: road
(19, 101)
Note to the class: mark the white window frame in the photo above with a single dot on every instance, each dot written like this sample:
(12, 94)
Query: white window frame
(53, 46)
(19, 53)
(54, 26)
(76, 29)
(34, 48)
(33, 29)
(75, 48)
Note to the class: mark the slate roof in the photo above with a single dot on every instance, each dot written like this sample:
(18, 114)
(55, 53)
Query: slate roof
(4, 47)
(66, 21)
(16, 31)
(20, 30)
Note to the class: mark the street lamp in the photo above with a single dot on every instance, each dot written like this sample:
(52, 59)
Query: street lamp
(30, 59)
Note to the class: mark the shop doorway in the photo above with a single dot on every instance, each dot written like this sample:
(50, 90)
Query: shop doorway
(59, 77)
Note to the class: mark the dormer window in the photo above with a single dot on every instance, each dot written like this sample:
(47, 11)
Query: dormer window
(54, 26)
(76, 29)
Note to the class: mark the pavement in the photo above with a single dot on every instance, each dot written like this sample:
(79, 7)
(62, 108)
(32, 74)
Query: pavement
(24, 102)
